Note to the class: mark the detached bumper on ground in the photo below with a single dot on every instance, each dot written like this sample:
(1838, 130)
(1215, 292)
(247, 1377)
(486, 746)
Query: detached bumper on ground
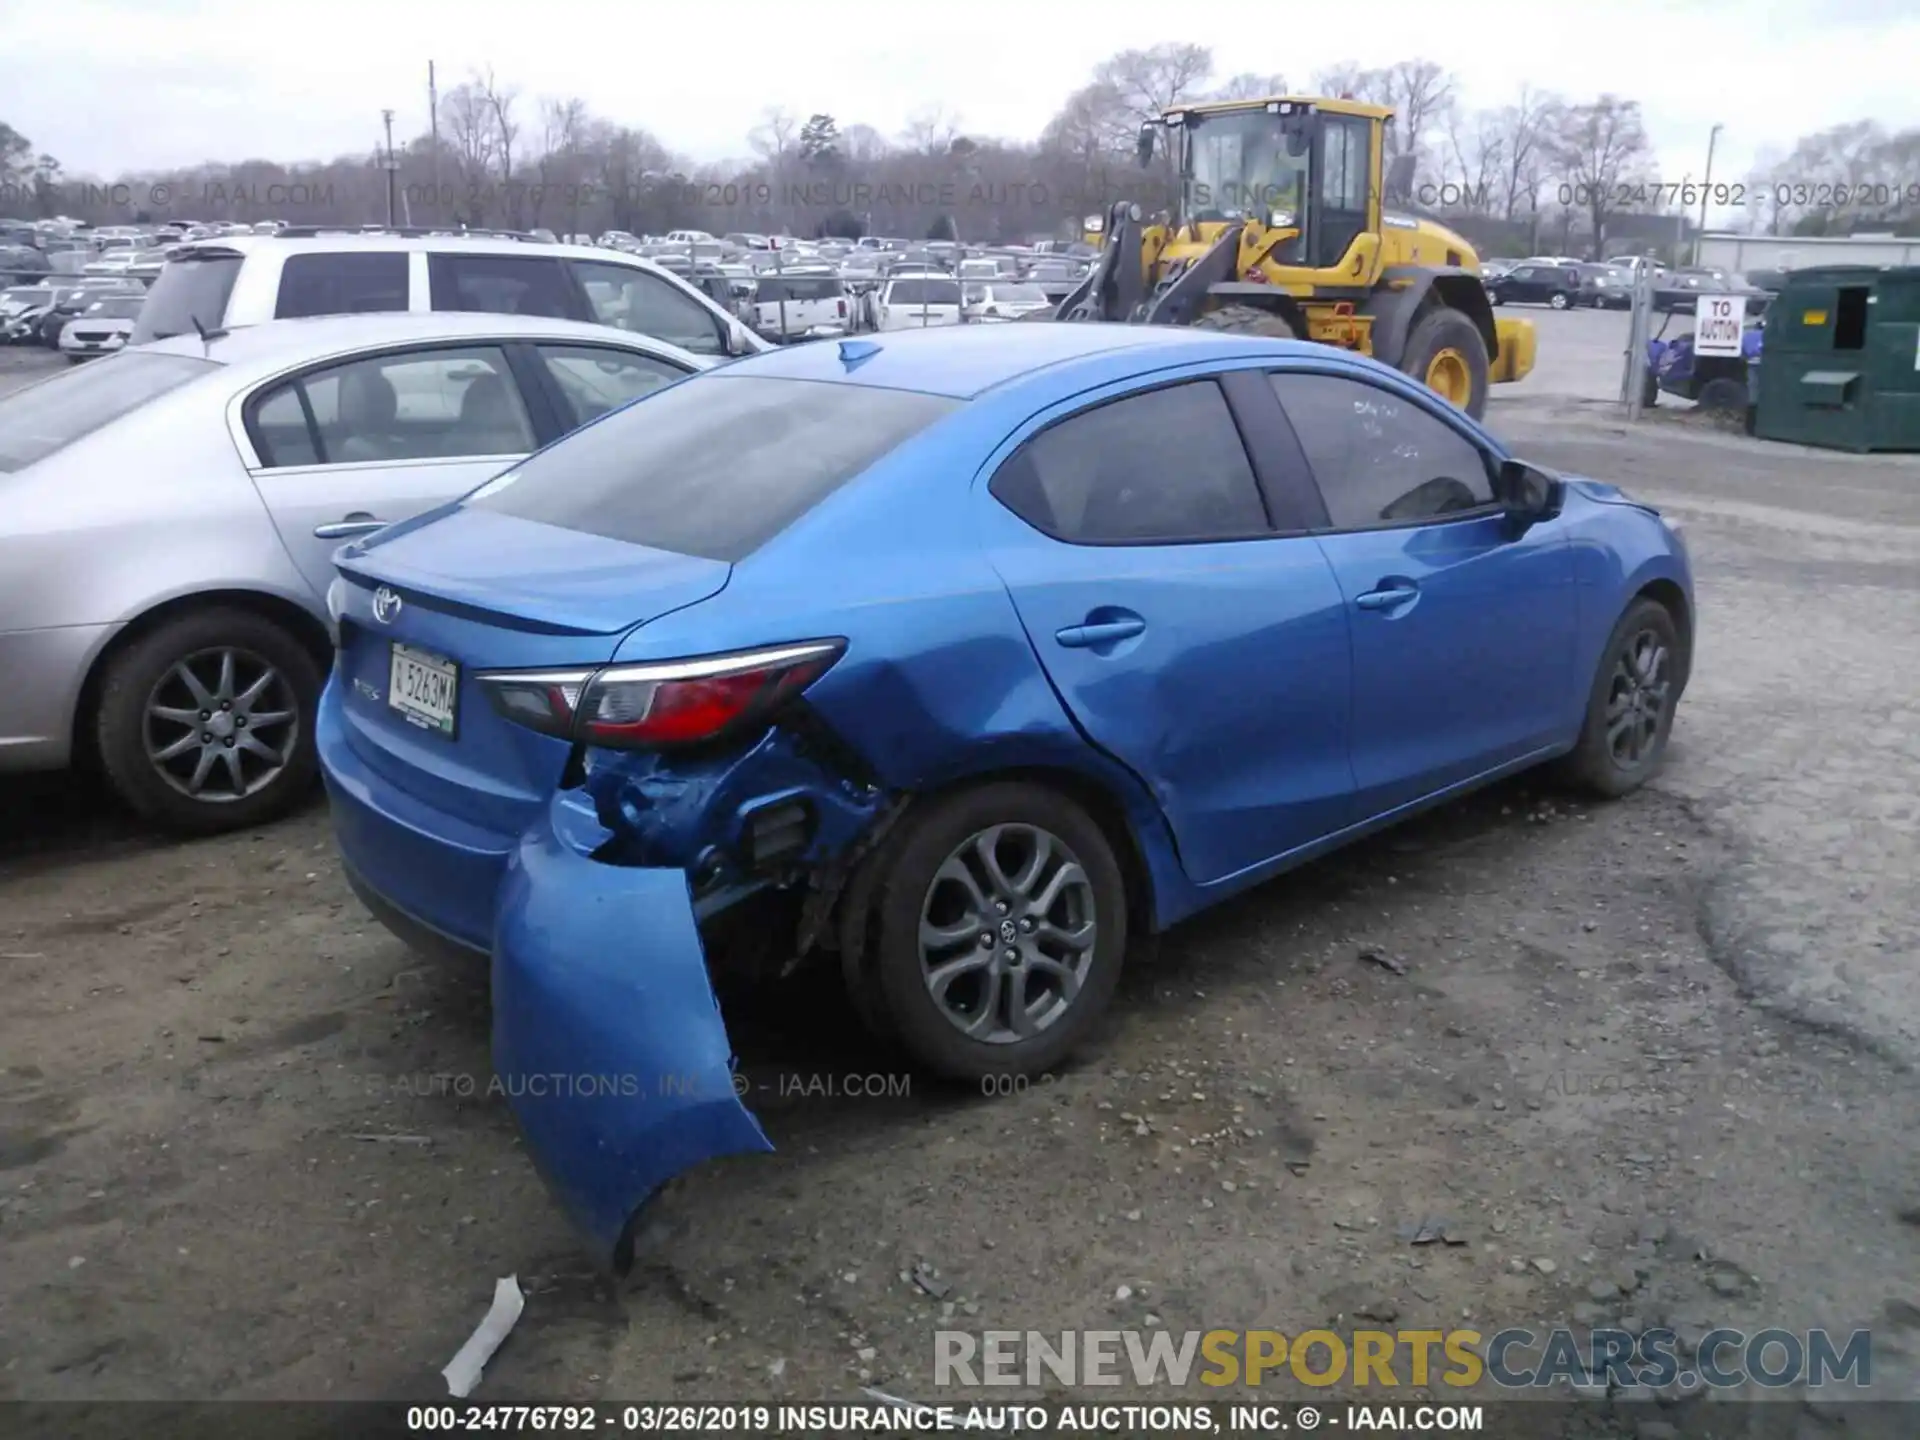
(607, 1036)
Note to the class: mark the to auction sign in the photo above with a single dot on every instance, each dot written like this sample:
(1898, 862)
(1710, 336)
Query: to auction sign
(1717, 323)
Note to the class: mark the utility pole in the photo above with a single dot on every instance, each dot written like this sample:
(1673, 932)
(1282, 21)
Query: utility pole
(1712, 135)
(433, 129)
(392, 167)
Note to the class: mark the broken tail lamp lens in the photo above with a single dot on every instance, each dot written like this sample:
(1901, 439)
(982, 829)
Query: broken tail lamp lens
(660, 705)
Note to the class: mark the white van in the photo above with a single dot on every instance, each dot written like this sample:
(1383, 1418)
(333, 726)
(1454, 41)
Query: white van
(791, 305)
(249, 279)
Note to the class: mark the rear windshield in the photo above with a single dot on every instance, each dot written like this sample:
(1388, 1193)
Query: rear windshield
(193, 287)
(715, 466)
(924, 292)
(43, 418)
(775, 288)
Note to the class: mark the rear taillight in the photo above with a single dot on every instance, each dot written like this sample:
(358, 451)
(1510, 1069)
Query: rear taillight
(843, 309)
(660, 705)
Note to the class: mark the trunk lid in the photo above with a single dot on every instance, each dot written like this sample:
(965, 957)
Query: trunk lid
(425, 608)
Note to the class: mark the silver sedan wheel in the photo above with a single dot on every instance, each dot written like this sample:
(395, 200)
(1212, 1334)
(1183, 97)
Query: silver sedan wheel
(221, 724)
(1007, 932)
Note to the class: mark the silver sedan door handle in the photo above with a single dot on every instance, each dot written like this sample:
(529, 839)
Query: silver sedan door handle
(348, 528)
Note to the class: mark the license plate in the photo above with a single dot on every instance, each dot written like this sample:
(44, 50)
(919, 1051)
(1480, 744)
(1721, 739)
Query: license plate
(424, 688)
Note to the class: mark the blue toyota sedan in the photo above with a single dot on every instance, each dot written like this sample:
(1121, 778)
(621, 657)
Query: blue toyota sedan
(953, 659)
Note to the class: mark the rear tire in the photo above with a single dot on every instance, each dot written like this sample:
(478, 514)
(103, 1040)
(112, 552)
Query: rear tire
(1075, 891)
(1649, 390)
(146, 677)
(1441, 329)
(1642, 660)
(1558, 300)
(1723, 394)
(1248, 320)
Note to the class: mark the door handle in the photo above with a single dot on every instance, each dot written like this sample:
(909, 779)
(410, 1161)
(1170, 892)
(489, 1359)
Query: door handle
(346, 529)
(1386, 597)
(1105, 632)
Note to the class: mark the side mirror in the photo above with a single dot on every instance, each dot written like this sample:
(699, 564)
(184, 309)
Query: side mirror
(1527, 493)
(1143, 148)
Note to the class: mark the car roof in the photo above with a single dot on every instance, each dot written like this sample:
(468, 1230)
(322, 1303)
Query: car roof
(276, 344)
(333, 243)
(965, 361)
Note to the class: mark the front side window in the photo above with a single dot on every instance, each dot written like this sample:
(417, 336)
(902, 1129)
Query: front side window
(407, 405)
(1161, 467)
(1380, 459)
(632, 299)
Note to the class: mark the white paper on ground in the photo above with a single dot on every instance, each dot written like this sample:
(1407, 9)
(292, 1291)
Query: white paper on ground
(463, 1371)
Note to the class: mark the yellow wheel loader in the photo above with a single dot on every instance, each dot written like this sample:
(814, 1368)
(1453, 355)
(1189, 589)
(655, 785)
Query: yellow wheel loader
(1281, 230)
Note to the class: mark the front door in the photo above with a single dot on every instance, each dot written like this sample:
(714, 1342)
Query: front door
(1463, 626)
(1189, 642)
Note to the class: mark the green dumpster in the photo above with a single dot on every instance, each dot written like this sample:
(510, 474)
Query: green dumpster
(1842, 355)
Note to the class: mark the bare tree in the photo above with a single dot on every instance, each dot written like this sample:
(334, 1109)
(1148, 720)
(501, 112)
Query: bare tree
(931, 130)
(773, 137)
(863, 145)
(500, 101)
(466, 120)
(1524, 129)
(1477, 151)
(1251, 85)
(559, 164)
(1157, 78)
(1421, 94)
(1599, 147)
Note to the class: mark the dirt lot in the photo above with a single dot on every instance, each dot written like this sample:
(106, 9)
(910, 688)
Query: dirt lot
(247, 1150)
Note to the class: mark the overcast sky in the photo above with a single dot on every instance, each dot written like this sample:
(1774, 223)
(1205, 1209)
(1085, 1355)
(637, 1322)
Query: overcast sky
(115, 85)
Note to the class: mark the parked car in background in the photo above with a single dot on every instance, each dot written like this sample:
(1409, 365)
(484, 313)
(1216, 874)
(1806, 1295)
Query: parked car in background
(1606, 287)
(78, 297)
(799, 304)
(1681, 290)
(245, 280)
(1004, 300)
(24, 308)
(101, 329)
(918, 301)
(1534, 283)
(172, 511)
(1217, 606)
(22, 263)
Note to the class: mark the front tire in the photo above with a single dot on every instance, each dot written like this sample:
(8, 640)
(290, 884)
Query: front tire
(1000, 924)
(206, 722)
(1722, 394)
(1558, 300)
(1446, 343)
(1630, 708)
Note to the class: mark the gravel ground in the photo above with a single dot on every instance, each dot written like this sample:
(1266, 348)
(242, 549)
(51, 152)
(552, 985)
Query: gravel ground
(1693, 1010)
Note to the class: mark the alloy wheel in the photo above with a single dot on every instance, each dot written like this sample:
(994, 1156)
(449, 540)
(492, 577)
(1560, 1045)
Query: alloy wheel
(1007, 933)
(1638, 694)
(221, 724)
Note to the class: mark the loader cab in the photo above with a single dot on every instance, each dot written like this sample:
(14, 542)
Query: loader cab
(1308, 166)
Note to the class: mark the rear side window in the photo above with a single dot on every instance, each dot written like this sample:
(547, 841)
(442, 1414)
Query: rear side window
(503, 285)
(632, 299)
(194, 287)
(1165, 466)
(342, 284)
(43, 418)
(714, 467)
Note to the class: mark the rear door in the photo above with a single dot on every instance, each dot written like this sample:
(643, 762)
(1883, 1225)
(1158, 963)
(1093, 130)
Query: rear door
(633, 299)
(1464, 628)
(505, 285)
(1190, 640)
(343, 449)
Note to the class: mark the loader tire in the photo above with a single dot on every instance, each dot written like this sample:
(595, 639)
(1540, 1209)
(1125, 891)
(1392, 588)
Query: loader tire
(1446, 353)
(1247, 320)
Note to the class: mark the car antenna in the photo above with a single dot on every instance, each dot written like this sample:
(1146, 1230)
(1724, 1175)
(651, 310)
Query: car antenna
(207, 337)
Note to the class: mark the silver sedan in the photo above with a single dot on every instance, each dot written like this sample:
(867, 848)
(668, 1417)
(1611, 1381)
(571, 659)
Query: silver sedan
(171, 512)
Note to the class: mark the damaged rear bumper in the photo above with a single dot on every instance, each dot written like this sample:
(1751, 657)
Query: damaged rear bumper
(607, 1037)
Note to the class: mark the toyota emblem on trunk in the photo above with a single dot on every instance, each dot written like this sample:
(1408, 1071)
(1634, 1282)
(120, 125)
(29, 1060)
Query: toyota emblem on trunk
(386, 605)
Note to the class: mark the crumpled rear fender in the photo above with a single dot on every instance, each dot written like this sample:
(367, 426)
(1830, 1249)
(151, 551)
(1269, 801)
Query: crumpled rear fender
(607, 1037)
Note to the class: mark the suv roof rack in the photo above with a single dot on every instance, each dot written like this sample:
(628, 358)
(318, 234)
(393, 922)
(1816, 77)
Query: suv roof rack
(309, 232)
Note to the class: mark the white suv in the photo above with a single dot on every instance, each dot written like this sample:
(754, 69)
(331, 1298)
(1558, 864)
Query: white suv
(249, 279)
